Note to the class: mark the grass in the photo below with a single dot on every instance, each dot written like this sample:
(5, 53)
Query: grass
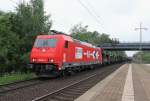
(6, 79)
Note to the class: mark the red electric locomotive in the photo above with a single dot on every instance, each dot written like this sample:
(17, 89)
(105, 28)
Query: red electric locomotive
(60, 53)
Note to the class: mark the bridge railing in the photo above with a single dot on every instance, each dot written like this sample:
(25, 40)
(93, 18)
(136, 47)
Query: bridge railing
(126, 46)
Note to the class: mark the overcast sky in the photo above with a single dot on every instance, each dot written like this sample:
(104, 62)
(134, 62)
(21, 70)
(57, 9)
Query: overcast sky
(118, 18)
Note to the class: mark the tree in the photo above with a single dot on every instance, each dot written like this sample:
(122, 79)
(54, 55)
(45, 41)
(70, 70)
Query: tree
(17, 33)
(81, 32)
(30, 19)
(8, 44)
(79, 28)
(28, 22)
(144, 55)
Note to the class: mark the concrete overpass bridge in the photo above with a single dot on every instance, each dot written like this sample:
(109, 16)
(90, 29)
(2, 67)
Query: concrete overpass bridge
(135, 46)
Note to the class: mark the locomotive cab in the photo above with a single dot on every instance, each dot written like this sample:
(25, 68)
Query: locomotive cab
(47, 53)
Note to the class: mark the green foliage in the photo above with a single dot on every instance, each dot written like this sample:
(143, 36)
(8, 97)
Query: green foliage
(8, 44)
(29, 21)
(6, 79)
(145, 56)
(81, 33)
(17, 32)
(79, 29)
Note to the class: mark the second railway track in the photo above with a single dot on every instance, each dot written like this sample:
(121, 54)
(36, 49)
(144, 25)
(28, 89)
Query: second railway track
(18, 85)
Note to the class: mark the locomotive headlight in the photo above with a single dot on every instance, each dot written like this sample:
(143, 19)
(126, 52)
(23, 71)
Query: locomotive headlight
(59, 68)
(33, 60)
(51, 60)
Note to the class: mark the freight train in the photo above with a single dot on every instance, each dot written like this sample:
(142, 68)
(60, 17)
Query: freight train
(60, 54)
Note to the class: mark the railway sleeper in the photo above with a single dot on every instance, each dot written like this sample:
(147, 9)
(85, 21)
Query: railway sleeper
(62, 98)
(74, 90)
(80, 88)
(69, 95)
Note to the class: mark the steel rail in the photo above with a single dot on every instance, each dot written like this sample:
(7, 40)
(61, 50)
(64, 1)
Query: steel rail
(46, 96)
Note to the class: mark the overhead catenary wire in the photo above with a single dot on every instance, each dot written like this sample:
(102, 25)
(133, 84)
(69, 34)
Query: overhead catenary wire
(92, 8)
(16, 3)
(90, 12)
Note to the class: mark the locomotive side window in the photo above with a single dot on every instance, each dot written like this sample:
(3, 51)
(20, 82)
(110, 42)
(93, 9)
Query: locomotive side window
(66, 44)
(45, 42)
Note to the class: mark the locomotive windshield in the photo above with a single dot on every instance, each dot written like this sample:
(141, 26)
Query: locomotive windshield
(45, 42)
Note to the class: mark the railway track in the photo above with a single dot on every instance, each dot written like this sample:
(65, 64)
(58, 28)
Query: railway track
(74, 90)
(30, 92)
(18, 85)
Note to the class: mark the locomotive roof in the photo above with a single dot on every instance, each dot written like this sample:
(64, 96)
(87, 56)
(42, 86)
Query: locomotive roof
(54, 34)
(68, 38)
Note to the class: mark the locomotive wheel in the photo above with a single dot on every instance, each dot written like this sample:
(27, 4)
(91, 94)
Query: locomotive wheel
(63, 73)
(67, 72)
(91, 67)
(78, 69)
